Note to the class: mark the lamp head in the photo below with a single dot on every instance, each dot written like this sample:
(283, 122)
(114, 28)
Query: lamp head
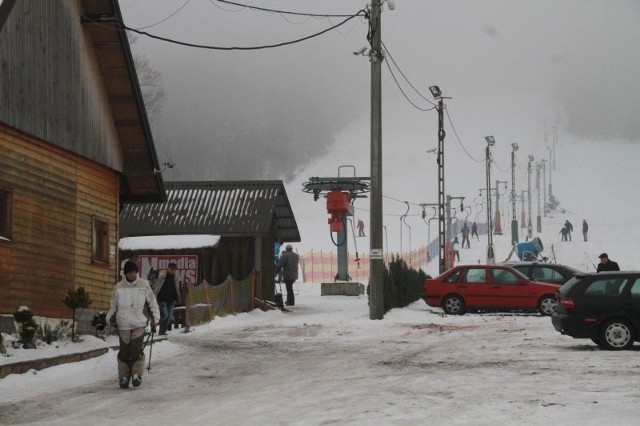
(531, 158)
(391, 4)
(514, 146)
(435, 91)
(490, 140)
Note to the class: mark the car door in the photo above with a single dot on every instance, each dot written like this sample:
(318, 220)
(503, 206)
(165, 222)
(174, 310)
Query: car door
(546, 274)
(507, 289)
(474, 287)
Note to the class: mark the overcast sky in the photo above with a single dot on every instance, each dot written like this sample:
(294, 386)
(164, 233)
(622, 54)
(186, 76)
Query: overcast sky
(510, 67)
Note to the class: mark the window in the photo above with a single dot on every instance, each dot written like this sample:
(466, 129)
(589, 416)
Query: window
(635, 289)
(503, 276)
(100, 243)
(606, 287)
(475, 275)
(5, 215)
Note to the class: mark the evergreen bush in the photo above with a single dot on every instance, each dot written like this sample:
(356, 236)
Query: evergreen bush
(76, 299)
(28, 326)
(402, 285)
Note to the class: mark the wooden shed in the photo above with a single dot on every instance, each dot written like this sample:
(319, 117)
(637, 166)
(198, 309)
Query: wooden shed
(249, 217)
(75, 145)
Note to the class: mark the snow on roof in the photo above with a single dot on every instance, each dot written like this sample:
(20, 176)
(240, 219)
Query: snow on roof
(163, 242)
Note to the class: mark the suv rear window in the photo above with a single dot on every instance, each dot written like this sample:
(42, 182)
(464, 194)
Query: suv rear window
(605, 287)
(569, 285)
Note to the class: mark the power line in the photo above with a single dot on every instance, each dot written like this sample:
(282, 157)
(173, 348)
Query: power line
(201, 46)
(284, 12)
(405, 77)
(459, 141)
(403, 92)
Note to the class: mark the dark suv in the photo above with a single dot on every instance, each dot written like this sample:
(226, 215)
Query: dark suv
(603, 307)
(546, 272)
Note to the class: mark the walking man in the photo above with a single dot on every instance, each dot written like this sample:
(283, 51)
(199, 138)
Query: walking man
(288, 264)
(167, 292)
(585, 229)
(361, 228)
(128, 301)
(474, 230)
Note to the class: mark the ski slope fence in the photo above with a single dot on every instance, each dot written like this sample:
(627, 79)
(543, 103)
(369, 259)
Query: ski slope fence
(322, 266)
(207, 301)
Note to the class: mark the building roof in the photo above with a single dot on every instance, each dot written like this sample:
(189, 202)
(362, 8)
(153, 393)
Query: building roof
(226, 208)
(165, 242)
(141, 180)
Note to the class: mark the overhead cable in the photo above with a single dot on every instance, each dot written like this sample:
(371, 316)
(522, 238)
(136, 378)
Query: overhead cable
(284, 12)
(459, 141)
(208, 47)
(404, 76)
(167, 18)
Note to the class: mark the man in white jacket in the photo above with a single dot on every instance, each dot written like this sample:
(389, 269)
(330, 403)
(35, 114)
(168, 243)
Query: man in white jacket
(128, 305)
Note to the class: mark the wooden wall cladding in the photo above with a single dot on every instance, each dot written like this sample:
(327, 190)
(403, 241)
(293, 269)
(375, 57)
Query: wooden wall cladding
(55, 196)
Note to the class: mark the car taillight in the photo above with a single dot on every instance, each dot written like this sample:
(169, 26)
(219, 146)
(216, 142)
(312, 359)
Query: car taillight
(567, 302)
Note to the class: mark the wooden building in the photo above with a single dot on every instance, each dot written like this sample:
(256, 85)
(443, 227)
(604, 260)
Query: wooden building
(249, 216)
(75, 146)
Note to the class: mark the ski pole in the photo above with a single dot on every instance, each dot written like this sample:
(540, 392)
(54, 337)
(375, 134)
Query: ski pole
(150, 349)
(591, 261)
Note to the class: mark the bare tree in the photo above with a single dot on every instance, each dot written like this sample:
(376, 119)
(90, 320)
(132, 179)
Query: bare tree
(150, 81)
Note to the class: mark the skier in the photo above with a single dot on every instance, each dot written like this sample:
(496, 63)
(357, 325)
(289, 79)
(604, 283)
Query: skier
(361, 228)
(465, 235)
(456, 248)
(585, 229)
(474, 230)
(569, 227)
(564, 232)
(128, 301)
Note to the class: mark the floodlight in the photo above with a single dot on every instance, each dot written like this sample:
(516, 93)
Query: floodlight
(514, 146)
(435, 91)
(490, 140)
(531, 158)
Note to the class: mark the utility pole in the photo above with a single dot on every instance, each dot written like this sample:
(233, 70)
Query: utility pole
(544, 187)
(514, 220)
(490, 253)
(539, 217)
(435, 91)
(376, 294)
(529, 224)
(550, 169)
(498, 226)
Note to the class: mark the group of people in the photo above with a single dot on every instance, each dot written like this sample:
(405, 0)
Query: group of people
(133, 304)
(567, 229)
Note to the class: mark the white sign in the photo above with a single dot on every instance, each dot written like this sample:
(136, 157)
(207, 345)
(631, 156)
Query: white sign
(375, 254)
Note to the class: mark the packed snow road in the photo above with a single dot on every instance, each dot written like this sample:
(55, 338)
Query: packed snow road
(327, 363)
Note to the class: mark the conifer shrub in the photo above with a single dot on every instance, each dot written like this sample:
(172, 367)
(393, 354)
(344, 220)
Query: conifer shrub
(28, 326)
(402, 285)
(76, 299)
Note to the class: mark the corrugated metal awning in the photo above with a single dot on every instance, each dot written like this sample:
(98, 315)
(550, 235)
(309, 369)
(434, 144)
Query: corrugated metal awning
(226, 208)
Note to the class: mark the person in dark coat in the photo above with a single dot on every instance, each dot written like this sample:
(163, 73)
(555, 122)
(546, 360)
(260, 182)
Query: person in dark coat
(288, 264)
(606, 264)
(564, 232)
(167, 292)
(474, 230)
(569, 227)
(585, 229)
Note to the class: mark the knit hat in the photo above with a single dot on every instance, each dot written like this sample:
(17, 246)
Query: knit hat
(130, 266)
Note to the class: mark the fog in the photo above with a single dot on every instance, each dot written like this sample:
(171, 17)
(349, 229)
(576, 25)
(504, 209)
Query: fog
(513, 69)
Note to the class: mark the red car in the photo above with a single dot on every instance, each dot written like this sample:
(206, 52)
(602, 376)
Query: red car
(494, 287)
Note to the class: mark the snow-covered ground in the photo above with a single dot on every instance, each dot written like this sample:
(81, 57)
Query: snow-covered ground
(326, 362)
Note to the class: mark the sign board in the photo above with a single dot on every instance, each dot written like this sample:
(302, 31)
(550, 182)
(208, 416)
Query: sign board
(375, 254)
(187, 270)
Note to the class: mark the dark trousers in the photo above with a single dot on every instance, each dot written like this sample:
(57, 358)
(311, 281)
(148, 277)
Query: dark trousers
(130, 355)
(166, 315)
(290, 297)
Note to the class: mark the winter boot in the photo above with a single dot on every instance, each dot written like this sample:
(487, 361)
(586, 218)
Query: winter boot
(136, 380)
(124, 382)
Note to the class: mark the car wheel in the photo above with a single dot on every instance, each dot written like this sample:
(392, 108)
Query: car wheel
(453, 305)
(616, 335)
(547, 305)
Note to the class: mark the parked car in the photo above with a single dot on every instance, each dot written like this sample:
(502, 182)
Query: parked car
(603, 307)
(545, 272)
(495, 287)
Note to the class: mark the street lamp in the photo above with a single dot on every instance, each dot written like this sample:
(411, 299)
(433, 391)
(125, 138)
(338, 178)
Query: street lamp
(514, 220)
(437, 94)
(490, 253)
(529, 224)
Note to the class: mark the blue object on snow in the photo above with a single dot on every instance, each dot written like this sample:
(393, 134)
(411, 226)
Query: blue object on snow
(529, 250)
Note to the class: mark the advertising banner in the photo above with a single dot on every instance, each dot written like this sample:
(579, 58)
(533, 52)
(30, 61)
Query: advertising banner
(187, 270)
